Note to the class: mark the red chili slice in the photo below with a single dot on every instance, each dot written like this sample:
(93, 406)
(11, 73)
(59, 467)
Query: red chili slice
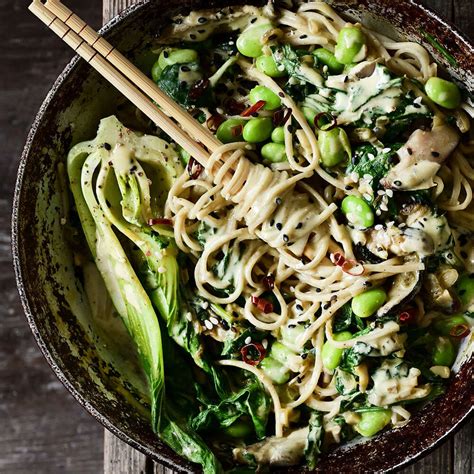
(353, 267)
(329, 122)
(262, 304)
(408, 316)
(268, 282)
(237, 130)
(253, 109)
(280, 117)
(248, 351)
(337, 258)
(214, 121)
(194, 168)
(460, 330)
(160, 221)
(198, 89)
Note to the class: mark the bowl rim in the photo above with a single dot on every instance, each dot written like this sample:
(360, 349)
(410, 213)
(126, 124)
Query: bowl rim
(178, 462)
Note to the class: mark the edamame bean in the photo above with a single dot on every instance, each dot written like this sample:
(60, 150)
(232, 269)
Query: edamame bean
(231, 130)
(275, 370)
(327, 58)
(258, 130)
(367, 303)
(350, 45)
(171, 56)
(278, 135)
(274, 152)
(358, 212)
(444, 93)
(156, 70)
(372, 422)
(238, 429)
(445, 326)
(272, 101)
(309, 115)
(465, 290)
(268, 66)
(281, 353)
(331, 355)
(443, 352)
(334, 146)
(249, 43)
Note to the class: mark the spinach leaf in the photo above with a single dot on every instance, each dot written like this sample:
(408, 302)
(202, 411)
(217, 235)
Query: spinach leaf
(315, 439)
(179, 90)
(251, 400)
(346, 383)
(346, 320)
(367, 160)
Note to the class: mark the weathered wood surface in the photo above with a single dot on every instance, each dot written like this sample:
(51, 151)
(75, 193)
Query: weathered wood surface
(42, 429)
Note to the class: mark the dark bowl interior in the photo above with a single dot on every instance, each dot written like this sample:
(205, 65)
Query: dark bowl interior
(98, 369)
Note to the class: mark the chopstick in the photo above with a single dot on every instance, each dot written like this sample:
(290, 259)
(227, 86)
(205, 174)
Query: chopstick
(120, 72)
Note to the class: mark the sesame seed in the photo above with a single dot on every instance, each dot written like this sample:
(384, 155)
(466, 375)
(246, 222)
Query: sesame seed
(265, 343)
(389, 192)
(214, 320)
(386, 150)
(383, 207)
(367, 197)
(248, 340)
(368, 177)
(279, 226)
(208, 324)
(285, 238)
(379, 227)
(378, 212)
(371, 156)
(189, 317)
(278, 201)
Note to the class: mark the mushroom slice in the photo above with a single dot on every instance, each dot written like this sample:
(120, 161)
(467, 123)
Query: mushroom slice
(404, 288)
(421, 158)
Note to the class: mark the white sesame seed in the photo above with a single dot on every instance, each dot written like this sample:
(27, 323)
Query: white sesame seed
(248, 340)
(208, 324)
(371, 156)
(367, 197)
(265, 343)
(368, 177)
(381, 192)
(389, 192)
(402, 225)
(161, 269)
(379, 227)
(189, 317)
(354, 177)
(292, 289)
(325, 68)
(386, 150)
(378, 212)
(204, 305)
(383, 207)
(219, 110)
(214, 320)
(417, 100)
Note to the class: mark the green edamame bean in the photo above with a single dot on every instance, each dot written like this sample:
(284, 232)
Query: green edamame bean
(350, 45)
(334, 146)
(465, 289)
(171, 56)
(331, 355)
(358, 212)
(372, 422)
(281, 353)
(327, 58)
(445, 326)
(231, 130)
(275, 370)
(278, 135)
(238, 429)
(268, 66)
(444, 93)
(309, 115)
(156, 70)
(258, 130)
(443, 352)
(249, 43)
(272, 101)
(367, 303)
(274, 152)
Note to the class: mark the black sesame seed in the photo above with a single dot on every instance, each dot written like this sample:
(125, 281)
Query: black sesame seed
(278, 201)
(279, 226)
(285, 238)
(410, 151)
(272, 222)
(318, 290)
(435, 154)
(299, 225)
(299, 307)
(299, 379)
(281, 94)
(165, 54)
(303, 37)
(185, 68)
(348, 187)
(346, 79)
(291, 326)
(397, 182)
(463, 254)
(327, 306)
(192, 36)
(202, 20)
(253, 20)
(303, 356)
(108, 146)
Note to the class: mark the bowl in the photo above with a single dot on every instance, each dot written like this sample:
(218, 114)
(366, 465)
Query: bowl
(101, 371)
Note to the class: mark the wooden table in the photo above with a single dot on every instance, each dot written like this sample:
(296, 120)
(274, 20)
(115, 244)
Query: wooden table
(42, 429)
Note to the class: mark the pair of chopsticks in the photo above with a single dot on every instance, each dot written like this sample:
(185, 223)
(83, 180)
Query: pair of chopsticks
(128, 79)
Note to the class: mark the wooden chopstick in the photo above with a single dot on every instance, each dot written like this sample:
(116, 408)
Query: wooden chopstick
(129, 70)
(122, 83)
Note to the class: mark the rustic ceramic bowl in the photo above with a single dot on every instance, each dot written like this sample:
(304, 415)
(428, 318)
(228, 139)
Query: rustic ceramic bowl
(97, 369)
